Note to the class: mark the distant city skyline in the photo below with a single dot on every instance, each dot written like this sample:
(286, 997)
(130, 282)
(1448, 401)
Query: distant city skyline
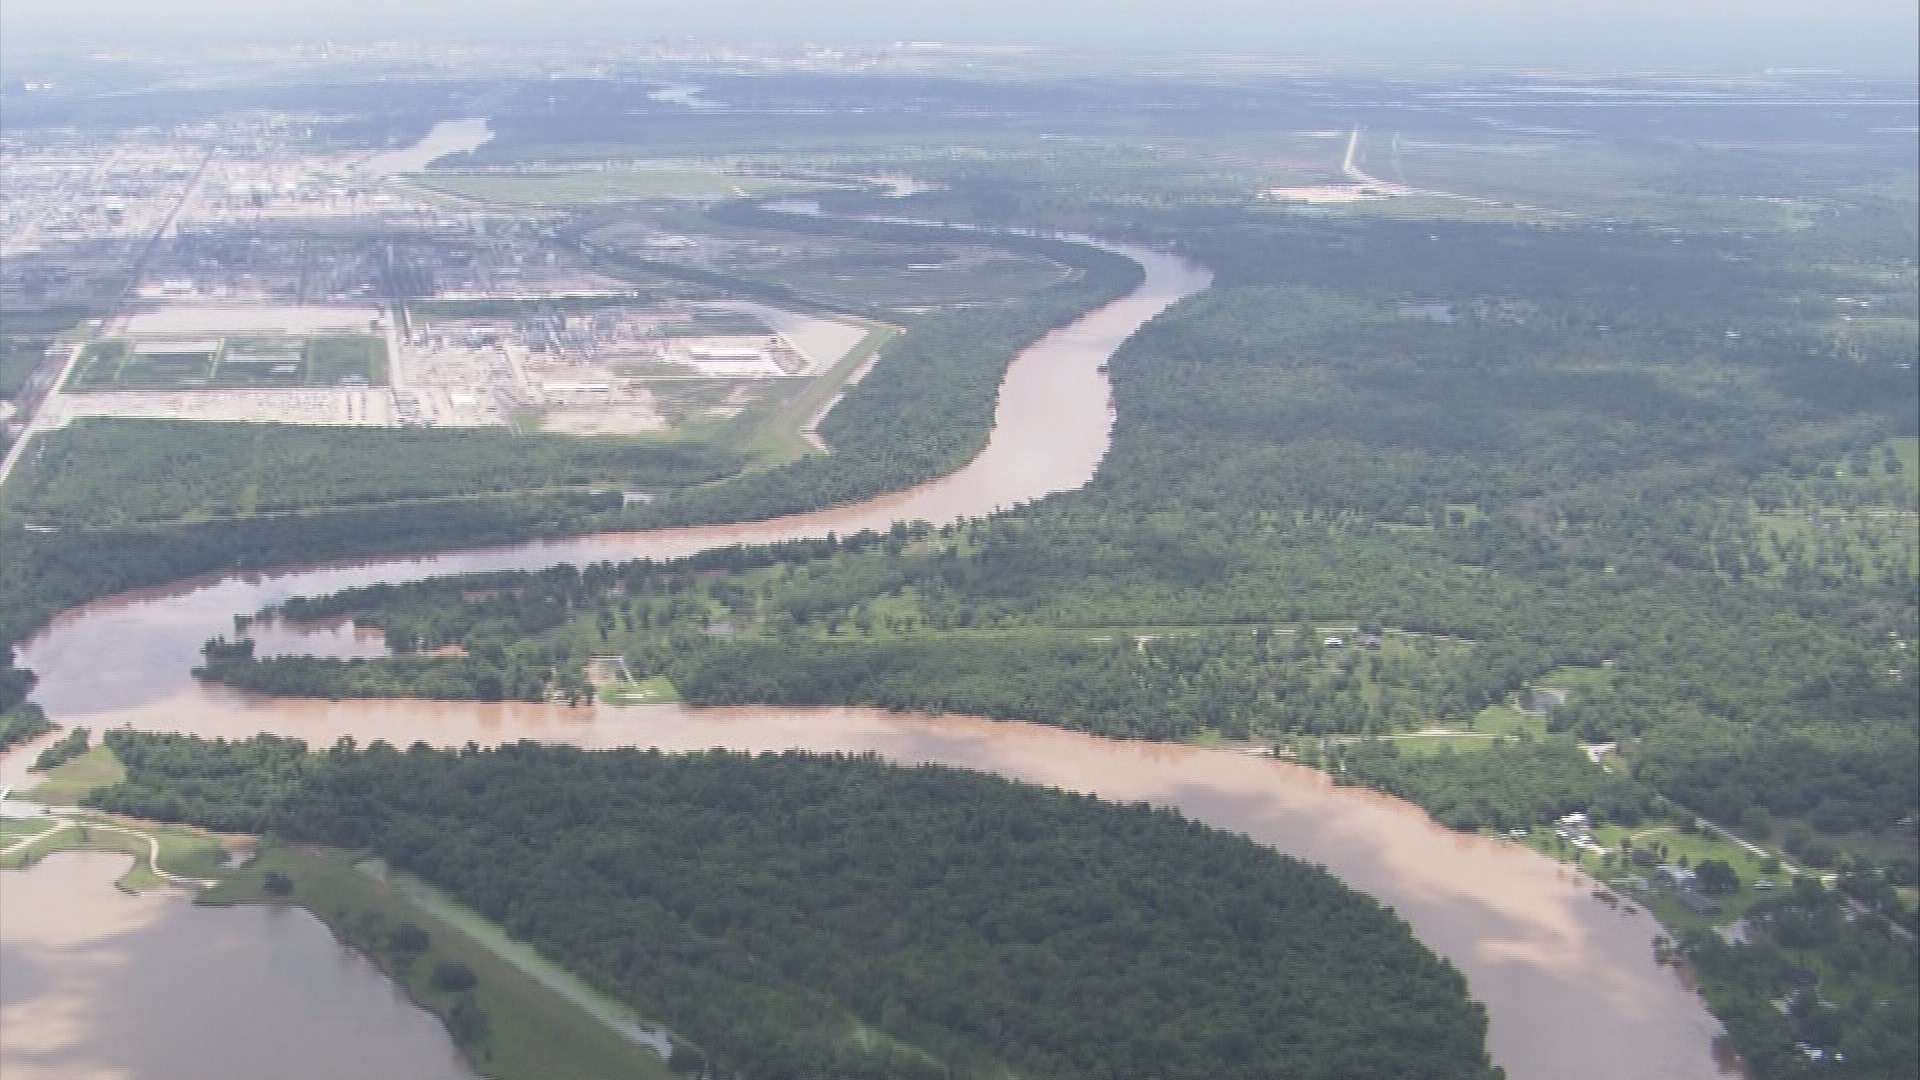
(1877, 36)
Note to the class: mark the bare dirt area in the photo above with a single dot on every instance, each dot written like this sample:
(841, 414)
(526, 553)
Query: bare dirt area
(820, 342)
(344, 407)
(216, 319)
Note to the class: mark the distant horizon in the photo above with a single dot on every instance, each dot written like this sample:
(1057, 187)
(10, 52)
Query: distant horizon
(1333, 62)
(1854, 37)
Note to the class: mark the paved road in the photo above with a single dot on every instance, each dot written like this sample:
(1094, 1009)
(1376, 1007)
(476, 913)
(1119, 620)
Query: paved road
(48, 415)
(44, 416)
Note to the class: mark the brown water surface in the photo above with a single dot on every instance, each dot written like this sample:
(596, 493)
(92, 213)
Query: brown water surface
(96, 984)
(1570, 984)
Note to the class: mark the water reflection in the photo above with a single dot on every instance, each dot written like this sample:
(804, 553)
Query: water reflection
(96, 984)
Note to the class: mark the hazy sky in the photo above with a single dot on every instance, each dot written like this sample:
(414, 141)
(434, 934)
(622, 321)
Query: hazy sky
(1882, 35)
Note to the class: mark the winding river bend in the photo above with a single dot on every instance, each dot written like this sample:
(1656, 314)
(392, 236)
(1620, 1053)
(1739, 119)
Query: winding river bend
(1570, 985)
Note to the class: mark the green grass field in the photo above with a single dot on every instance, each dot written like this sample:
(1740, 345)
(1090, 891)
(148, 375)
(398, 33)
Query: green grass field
(14, 829)
(654, 691)
(238, 363)
(536, 1030)
(65, 785)
(771, 434)
(183, 851)
(333, 357)
(607, 185)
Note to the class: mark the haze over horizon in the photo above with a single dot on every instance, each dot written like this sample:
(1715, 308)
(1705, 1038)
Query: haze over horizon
(1856, 36)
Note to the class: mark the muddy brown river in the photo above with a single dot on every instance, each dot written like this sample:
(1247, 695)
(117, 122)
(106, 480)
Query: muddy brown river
(1570, 984)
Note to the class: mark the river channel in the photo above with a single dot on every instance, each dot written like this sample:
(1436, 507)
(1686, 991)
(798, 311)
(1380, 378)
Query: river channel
(1570, 984)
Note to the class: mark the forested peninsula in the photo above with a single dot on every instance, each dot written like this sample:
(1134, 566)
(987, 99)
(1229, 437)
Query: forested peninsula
(802, 916)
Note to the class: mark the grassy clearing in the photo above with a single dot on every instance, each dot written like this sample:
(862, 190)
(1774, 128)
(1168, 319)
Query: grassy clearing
(607, 185)
(333, 357)
(65, 785)
(183, 851)
(534, 1031)
(14, 829)
(1576, 678)
(1507, 720)
(654, 691)
(773, 435)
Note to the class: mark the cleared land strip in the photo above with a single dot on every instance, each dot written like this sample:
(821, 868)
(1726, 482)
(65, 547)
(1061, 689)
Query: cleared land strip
(790, 430)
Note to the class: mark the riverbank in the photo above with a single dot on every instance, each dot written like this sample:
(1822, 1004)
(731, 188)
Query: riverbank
(97, 983)
(535, 1022)
(526, 1029)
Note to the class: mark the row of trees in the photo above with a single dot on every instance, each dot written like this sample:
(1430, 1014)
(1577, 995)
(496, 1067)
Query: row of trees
(65, 749)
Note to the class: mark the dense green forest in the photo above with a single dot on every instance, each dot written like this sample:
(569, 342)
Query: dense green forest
(19, 720)
(1616, 455)
(114, 472)
(1517, 479)
(21, 723)
(801, 916)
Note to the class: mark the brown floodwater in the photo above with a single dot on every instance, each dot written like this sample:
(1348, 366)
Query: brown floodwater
(96, 984)
(1570, 984)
